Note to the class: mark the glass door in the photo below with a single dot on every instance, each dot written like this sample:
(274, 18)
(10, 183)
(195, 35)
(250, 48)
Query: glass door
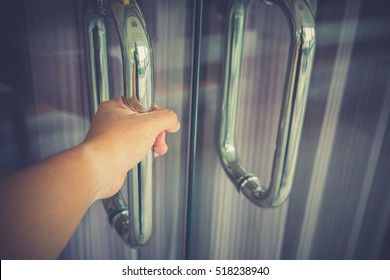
(46, 106)
(339, 203)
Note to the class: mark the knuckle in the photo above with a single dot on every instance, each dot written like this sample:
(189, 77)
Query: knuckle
(170, 113)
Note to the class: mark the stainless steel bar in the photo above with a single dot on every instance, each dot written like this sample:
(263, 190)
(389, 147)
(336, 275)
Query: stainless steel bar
(135, 225)
(301, 54)
(98, 58)
(133, 221)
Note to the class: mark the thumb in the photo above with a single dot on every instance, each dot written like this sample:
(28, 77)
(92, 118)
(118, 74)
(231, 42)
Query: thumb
(167, 120)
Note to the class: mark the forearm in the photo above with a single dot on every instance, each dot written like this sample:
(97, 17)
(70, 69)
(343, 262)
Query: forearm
(41, 206)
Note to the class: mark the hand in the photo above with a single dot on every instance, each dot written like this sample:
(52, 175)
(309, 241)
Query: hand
(50, 198)
(119, 138)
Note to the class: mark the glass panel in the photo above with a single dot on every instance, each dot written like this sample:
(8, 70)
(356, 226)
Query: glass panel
(346, 211)
(46, 108)
(339, 203)
(172, 45)
(228, 226)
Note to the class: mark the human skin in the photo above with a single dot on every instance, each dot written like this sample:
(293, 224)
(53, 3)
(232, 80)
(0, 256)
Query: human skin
(42, 205)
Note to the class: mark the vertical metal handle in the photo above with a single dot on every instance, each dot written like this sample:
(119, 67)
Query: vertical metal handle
(301, 54)
(133, 221)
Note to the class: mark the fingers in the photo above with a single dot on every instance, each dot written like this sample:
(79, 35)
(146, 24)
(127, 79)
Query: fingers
(160, 139)
(160, 146)
(159, 151)
(167, 120)
(159, 119)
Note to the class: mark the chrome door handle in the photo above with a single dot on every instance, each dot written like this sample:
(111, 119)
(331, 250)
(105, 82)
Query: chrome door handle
(97, 55)
(133, 222)
(301, 53)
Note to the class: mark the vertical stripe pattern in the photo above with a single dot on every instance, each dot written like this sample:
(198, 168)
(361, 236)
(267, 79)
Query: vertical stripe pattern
(325, 146)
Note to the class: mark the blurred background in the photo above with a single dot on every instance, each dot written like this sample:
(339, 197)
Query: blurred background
(339, 207)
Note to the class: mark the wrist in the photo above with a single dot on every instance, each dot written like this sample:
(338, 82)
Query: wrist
(104, 180)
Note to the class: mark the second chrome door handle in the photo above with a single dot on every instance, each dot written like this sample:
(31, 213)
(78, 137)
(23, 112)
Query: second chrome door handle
(301, 54)
(133, 221)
